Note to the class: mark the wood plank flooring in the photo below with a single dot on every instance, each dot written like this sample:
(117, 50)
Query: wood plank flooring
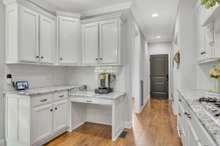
(155, 126)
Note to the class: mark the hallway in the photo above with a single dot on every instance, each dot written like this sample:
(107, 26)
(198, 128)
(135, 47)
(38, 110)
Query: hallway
(155, 126)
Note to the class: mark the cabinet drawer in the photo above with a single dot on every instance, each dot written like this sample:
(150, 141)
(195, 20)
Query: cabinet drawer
(61, 95)
(41, 99)
(203, 135)
(91, 100)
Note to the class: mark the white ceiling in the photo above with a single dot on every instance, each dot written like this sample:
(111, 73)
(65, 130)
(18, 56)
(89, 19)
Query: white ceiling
(143, 9)
(162, 25)
(80, 6)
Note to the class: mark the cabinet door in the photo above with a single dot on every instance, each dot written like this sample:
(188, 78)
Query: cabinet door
(69, 40)
(28, 40)
(47, 39)
(90, 43)
(42, 123)
(193, 139)
(183, 126)
(109, 41)
(60, 115)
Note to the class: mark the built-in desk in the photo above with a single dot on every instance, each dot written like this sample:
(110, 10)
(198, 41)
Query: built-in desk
(103, 109)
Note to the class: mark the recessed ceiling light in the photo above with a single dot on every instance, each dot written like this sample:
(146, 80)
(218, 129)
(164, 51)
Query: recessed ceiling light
(155, 15)
(158, 37)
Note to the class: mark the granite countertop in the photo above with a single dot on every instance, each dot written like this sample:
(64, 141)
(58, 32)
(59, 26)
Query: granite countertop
(208, 123)
(92, 94)
(43, 90)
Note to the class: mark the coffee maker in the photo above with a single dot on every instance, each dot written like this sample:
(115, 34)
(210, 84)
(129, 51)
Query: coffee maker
(106, 81)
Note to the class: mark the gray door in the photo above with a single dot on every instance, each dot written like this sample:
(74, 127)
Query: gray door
(159, 76)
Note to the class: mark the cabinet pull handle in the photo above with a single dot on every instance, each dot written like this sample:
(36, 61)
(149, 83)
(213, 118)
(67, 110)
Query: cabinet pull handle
(202, 53)
(101, 58)
(61, 96)
(37, 57)
(180, 100)
(55, 108)
(188, 115)
(96, 59)
(61, 58)
(42, 57)
(43, 100)
(51, 110)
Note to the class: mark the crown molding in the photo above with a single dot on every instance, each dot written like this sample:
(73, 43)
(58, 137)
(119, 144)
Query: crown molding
(102, 17)
(68, 14)
(35, 4)
(106, 10)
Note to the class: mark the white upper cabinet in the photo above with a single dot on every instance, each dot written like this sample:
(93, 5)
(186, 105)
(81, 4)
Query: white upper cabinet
(101, 41)
(30, 35)
(90, 43)
(28, 40)
(207, 38)
(47, 39)
(69, 40)
(109, 36)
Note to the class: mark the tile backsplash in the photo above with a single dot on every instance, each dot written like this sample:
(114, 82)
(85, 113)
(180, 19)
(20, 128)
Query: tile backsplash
(37, 76)
(107, 69)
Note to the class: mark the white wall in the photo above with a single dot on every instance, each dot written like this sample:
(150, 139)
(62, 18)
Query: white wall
(185, 76)
(1, 71)
(159, 48)
(135, 59)
(187, 44)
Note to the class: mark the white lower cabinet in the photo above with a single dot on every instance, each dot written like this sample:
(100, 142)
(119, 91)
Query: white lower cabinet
(35, 120)
(42, 127)
(60, 116)
(192, 137)
(47, 120)
(191, 131)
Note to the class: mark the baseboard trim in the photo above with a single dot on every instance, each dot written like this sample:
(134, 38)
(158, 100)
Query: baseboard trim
(141, 109)
(128, 124)
(2, 142)
(75, 127)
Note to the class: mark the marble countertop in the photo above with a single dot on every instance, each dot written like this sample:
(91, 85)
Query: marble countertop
(73, 93)
(208, 123)
(43, 90)
(92, 94)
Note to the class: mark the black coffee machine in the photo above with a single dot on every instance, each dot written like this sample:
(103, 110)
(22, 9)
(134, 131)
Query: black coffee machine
(106, 81)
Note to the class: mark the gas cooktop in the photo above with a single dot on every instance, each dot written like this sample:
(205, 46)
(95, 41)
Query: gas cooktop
(212, 106)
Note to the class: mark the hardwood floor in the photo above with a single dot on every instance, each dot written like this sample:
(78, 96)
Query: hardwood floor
(155, 126)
